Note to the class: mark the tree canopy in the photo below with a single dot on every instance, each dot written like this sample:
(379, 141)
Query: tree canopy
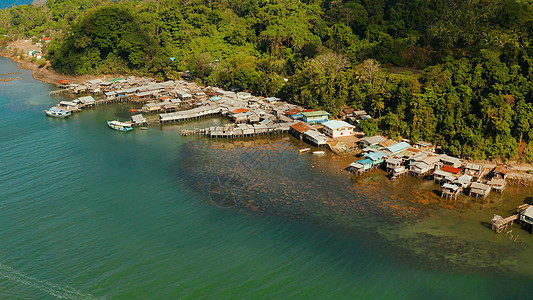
(458, 73)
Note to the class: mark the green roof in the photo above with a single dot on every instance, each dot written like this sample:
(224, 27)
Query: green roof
(316, 113)
(115, 79)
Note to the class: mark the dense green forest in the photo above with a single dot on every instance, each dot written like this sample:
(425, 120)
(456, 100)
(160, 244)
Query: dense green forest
(455, 72)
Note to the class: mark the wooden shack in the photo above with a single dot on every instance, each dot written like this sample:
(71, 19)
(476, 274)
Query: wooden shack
(464, 181)
(450, 191)
(419, 168)
(299, 128)
(446, 174)
(479, 190)
(393, 163)
(360, 166)
(497, 184)
(377, 158)
(69, 105)
(397, 148)
(500, 172)
(315, 138)
(450, 161)
(425, 146)
(473, 170)
(424, 166)
(398, 172)
(138, 120)
(370, 141)
(142, 97)
(86, 101)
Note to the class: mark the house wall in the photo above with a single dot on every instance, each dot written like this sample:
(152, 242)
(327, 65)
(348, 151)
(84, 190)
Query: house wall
(417, 170)
(526, 219)
(393, 165)
(343, 131)
(315, 120)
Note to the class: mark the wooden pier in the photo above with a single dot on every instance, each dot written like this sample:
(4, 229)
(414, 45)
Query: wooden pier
(189, 114)
(60, 92)
(112, 100)
(240, 131)
(499, 224)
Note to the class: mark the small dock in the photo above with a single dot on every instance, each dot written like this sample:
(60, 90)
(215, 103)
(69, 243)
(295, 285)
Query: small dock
(499, 224)
(190, 114)
(238, 131)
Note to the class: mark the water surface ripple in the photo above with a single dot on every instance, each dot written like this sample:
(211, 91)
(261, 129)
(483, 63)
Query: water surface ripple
(89, 213)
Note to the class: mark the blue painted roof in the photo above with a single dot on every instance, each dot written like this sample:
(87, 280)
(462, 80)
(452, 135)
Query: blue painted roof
(398, 147)
(365, 161)
(214, 98)
(375, 155)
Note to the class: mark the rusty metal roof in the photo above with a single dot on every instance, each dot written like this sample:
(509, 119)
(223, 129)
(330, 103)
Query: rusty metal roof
(301, 127)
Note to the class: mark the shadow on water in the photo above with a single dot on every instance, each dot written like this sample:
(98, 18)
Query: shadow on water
(486, 224)
(269, 177)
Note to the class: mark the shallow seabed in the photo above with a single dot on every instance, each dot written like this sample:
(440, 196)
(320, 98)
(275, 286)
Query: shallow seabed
(88, 212)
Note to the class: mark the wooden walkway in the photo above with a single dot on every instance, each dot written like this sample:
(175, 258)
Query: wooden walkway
(235, 132)
(500, 224)
(189, 114)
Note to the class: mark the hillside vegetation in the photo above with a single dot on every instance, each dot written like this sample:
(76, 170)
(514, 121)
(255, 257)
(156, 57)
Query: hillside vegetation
(458, 73)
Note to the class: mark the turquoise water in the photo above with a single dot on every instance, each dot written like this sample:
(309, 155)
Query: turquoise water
(87, 212)
(9, 3)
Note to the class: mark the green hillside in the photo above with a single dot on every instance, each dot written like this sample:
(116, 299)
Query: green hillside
(458, 73)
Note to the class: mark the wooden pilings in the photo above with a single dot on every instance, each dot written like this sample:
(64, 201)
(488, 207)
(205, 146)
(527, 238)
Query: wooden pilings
(227, 133)
(499, 224)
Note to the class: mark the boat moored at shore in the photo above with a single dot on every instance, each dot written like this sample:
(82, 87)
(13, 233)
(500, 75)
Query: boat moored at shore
(58, 112)
(120, 126)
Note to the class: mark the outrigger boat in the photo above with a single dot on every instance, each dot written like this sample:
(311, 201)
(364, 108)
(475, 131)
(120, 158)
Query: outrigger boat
(120, 126)
(304, 150)
(58, 112)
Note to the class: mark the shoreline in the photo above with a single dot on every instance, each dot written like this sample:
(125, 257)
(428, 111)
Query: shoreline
(403, 204)
(518, 170)
(47, 75)
(42, 74)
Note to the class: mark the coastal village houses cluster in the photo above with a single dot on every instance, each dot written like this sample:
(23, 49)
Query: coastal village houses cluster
(182, 100)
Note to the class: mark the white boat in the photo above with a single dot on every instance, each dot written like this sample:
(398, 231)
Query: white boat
(318, 152)
(304, 150)
(58, 112)
(120, 126)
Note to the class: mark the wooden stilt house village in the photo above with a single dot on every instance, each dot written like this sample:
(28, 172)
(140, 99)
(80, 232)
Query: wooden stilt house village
(401, 158)
(180, 100)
